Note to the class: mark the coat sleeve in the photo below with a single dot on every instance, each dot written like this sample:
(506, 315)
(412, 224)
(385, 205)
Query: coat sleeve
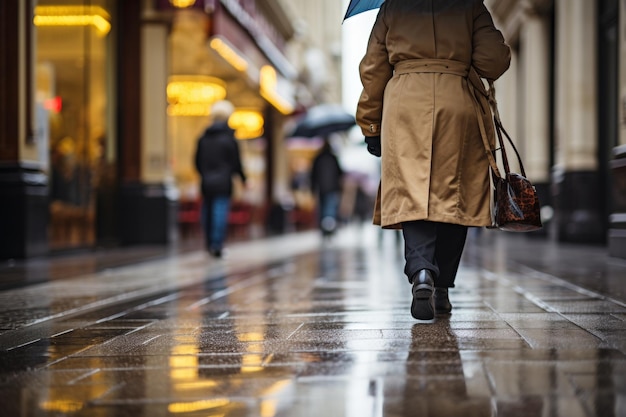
(197, 158)
(491, 56)
(375, 71)
(238, 167)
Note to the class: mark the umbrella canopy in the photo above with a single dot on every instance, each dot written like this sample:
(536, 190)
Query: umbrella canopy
(323, 120)
(360, 6)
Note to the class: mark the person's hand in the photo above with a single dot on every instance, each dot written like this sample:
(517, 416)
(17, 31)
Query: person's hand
(373, 145)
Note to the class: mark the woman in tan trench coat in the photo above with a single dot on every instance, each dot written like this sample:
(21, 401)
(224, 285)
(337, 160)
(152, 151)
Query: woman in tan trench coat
(418, 111)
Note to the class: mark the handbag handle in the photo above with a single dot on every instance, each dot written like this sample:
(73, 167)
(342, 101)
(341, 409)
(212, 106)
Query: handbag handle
(500, 130)
(485, 100)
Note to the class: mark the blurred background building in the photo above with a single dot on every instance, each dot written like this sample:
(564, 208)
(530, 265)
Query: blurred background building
(564, 99)
(102, 101)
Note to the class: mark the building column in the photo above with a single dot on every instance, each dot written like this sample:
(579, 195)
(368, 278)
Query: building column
(23, 183)
(536, 115)
(617, 220)
(576, 181)
(148, 201)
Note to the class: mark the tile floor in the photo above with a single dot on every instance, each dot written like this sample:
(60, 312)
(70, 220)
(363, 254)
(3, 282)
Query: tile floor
(298, 326)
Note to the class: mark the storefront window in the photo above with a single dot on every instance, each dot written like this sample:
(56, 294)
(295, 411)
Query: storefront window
(73, 92)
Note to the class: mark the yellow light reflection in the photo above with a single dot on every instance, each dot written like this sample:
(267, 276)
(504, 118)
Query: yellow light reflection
(229, 54)
(192, 385)
(188, 407)
(268, 83)
(94, 16)
(184, 362)
(248, 124)
(251, 363)
(62, 406)
(269, 406)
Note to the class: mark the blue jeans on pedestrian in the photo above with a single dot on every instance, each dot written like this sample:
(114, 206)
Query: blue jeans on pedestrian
(328, 211)
(215, 221)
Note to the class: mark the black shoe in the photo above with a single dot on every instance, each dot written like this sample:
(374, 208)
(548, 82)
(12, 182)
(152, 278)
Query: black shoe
(422, 307)
(216, 253)
(442, 302)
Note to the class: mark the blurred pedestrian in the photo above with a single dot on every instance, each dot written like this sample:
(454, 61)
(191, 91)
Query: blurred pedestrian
(326, 184)
(418, 111)
(217, 160)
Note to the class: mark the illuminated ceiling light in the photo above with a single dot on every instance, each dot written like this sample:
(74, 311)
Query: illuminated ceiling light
(268, 91)
(193, 95)
(181, 4)
(229, 54)
(94, 16)
(248, 124)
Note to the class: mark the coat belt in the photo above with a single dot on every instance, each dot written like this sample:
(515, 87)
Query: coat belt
(483, 99)
(437, 66)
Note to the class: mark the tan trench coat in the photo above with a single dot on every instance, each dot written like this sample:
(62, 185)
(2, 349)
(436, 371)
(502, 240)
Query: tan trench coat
(417, 97)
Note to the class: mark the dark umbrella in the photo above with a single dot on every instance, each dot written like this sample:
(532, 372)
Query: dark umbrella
(323, 120)
(360, 6)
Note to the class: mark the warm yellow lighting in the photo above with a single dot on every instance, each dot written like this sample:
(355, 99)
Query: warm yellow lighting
(184, 362)
(188, 110)
(194, 385)
(181, 4)
(189, 89)
(229, 54)
(192, 95)
(251, 363)
(269, 408)
(94, 16)
(192, 406)
(248, 124)
(268, 83)
(62, 406)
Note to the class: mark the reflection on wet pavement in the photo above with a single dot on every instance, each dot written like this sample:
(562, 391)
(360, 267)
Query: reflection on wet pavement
(293, 327)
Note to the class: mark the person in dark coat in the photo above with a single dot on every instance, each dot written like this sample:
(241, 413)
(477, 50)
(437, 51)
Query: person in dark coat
(217, 160)
(326, 183)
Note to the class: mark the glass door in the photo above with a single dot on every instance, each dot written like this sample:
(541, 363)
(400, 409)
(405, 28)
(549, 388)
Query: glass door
(73, 40)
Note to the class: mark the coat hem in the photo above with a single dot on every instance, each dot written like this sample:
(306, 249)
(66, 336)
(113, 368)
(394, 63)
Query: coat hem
(395, 222)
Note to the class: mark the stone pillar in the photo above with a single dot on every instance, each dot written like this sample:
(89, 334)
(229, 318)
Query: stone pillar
(576, 181)
(617, 220)
(23, 183)
(536, 115)
(148, 201)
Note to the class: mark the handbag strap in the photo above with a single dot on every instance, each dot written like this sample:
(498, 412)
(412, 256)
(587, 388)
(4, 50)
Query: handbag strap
(483, 103)
(482, 106)
(500, 130)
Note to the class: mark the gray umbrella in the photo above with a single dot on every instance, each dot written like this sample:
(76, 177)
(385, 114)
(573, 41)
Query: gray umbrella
(322, 120)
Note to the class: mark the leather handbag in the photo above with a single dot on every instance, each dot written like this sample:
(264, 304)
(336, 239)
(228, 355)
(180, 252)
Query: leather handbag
(516, 206)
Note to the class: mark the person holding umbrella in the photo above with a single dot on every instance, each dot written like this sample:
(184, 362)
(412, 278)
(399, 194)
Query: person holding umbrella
(418, 111)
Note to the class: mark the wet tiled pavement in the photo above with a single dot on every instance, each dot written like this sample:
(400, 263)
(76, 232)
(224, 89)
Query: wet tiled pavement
(297, 326)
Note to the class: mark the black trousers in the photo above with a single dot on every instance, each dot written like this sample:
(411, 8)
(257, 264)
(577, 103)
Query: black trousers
(434, 246)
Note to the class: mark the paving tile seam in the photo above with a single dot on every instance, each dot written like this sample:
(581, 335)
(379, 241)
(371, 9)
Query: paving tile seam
(101, 304)
(561, 282)
(171, 282)
(546, 306)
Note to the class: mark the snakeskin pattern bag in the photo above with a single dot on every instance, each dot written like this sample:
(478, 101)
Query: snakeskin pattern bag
(516, 206)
